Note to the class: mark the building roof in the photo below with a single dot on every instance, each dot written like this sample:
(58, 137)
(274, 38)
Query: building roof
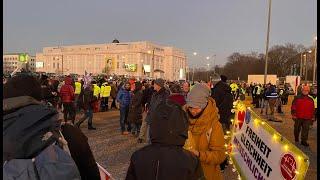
(115, 41)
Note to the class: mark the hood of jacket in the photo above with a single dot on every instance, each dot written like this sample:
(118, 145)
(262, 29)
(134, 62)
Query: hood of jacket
(222, 86)
(178, 98)
(67, 81)
(208, 117)
(25, 122)
(169, 124)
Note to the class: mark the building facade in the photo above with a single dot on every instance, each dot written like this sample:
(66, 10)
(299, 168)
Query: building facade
(133, 59)
(11, 62)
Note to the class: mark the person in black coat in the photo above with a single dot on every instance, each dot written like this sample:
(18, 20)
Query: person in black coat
(165, 158)
(221, 93)
(80, 152)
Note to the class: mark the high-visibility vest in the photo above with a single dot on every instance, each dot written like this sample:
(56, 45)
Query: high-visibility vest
(258, 90)
(314, 100)
(78, 88)
(234, 87)
(96, 90)
(105, 90)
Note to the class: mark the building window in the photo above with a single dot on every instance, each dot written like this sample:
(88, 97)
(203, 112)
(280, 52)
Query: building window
(117, 65)
(58, 65)
(54, 65)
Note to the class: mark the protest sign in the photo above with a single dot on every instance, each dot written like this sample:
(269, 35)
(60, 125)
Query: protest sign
(259, 152)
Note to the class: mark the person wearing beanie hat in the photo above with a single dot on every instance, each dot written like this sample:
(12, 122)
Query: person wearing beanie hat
(206, 133)
(160, 82)
(302, 111)
(165, 157)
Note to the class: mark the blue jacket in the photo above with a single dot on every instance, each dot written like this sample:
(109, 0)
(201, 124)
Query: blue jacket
(272, 93)
(124, 97)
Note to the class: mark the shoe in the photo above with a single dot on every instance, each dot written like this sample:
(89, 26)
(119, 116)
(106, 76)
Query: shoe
(125, 133)
(91, 128)
(305, 144)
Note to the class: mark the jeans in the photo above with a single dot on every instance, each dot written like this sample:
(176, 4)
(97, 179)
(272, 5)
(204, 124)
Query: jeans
(143, 128)
(264, 105)
(124, 111)
(88, 114)
(105, 103)
(303, 124)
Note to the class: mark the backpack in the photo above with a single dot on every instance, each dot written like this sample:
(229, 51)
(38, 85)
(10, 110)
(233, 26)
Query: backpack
(50, 161)
(54, 162)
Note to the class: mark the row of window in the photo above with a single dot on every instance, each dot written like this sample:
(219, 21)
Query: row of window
(11, 58)
(9, 62)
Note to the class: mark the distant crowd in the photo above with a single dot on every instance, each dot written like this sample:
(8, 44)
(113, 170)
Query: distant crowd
(182, 123)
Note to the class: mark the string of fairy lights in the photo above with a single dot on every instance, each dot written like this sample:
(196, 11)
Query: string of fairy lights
(276, 137)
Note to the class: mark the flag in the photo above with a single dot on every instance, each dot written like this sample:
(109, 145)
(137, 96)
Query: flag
(104, 175)
(87, 79)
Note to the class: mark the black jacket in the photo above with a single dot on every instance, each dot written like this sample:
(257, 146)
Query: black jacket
(147, 95)
(81, 153)
(221, 93)
(156, 99)
(165, 158)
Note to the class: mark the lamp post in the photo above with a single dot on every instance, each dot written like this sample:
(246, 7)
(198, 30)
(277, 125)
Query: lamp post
(208, 72)
(315, 60)
(306, 65)
(152, 63)
(267, 45)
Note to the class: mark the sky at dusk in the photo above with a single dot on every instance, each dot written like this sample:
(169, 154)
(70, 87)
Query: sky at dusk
(208, 27)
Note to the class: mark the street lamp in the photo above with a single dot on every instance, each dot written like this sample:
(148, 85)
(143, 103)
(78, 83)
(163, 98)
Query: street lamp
(267, 45)
(195, 53)
(315, 60)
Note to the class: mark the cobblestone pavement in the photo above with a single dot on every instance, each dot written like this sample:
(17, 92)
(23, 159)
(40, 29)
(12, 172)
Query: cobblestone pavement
(113, 150)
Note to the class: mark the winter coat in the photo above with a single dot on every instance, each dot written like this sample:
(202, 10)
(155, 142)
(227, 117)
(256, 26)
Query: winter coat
(135, 110)
(86, 98)
(147, 95)
(124, 97)
(221, 93)
(25, 122)
(80, 152)
(212, 151)
(303, 107)
(67, 91)
(156, 99)
(177, 98)
(165, 158)
(113, 92)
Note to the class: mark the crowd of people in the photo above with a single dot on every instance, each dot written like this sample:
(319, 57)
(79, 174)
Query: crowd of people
(165, 115)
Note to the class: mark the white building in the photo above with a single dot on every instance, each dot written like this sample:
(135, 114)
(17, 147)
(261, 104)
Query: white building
(138, 59)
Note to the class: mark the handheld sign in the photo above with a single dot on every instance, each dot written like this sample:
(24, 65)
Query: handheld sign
(104, 175)
(260, 152)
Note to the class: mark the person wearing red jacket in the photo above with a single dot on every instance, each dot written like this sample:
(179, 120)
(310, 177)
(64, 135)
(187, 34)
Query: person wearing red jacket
(302, 111)
(67, 98)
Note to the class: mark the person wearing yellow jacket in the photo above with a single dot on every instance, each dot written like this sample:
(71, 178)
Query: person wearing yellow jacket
(77, 91)
(96, 96)
(105, 94)
(205, 134)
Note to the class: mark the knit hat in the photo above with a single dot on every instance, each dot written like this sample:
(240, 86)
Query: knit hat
(22, 85)
(159, 82)
(198, 96)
